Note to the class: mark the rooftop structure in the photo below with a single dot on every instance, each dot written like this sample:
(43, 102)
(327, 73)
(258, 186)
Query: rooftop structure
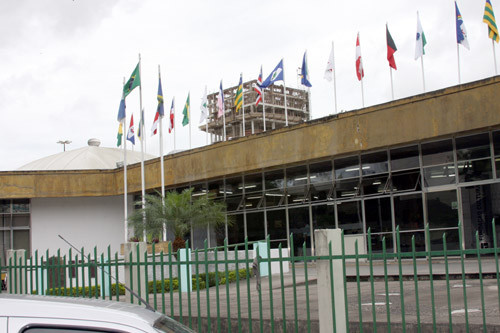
(269, 114)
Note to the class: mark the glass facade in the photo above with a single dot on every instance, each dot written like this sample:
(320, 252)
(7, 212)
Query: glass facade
(436, 183)
(15, 226)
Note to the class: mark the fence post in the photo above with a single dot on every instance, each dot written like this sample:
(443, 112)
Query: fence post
(17, 281)
(323, 237)
(185, 270)
(131, 280)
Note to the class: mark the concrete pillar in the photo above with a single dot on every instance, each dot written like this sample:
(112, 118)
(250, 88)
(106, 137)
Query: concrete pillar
(129, 248)
(16, 283)
(185, 270)
(323, 238)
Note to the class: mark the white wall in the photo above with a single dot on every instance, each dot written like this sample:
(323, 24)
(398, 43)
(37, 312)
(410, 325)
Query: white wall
(83, 221)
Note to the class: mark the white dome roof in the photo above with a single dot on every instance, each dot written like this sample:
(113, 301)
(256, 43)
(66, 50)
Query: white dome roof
(90, 157)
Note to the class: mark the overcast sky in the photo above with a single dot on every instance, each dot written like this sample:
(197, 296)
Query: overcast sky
(63, 61)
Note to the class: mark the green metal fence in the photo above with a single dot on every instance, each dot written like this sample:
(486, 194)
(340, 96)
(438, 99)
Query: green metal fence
(234, 288)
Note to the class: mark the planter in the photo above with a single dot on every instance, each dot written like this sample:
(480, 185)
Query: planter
(159, 247)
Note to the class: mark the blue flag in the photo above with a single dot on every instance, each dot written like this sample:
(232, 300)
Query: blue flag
(160, 109)
(121, 110)
(461, 32)
(304, 76)
(276, 75)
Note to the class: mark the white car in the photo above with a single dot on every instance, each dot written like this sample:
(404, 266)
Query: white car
(51, 314)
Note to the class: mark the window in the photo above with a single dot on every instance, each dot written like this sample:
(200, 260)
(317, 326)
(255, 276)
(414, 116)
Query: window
(378, 215)
(408, 211)
(296, 176)
(234, 186)
(276, 228)
(435, 153)
(349, 216)
(442, 209)
(274, 179)
(255, 226)
(320, 172)
(253, 183)
(374, 163)
(374, 185)
(346, 167)
(347, 188)
(235, 232)
(473, 155)
(404, 158)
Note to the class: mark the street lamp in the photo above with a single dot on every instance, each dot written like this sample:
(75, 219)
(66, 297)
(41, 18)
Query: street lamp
(64, 143)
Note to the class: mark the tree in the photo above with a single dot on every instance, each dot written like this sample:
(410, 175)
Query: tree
(179, 212)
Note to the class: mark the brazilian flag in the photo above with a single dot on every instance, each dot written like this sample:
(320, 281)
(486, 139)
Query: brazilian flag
(134, 81)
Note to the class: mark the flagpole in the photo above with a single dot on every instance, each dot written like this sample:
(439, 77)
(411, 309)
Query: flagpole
(174, 127)
(143, 136)
(392, 87)
(125, 190)
(423, 76)
(206, 119)
(189, 116)
(334, 79)
(284, 93)
(458, 63)
(223, 113)
(494, 56)
(263, 104)
(243, 102)
(162, 169)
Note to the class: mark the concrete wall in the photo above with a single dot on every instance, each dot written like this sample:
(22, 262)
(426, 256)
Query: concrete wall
(463, 108)
(82, 221)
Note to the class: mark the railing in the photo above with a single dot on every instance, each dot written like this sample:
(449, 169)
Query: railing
(237, 288)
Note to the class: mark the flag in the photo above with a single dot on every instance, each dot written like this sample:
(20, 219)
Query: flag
(421, 41)
(172, 113)
(154, 128)
(276, 75)
(130, 133)
(304, 75)
(220, 101)
(159, 108)
(489, 19)
(391, 48)
(185, 112)
(119, 136)
(134, 81)
(461, 32)
(238, 99)
(121, 109)
(329, 67)
(257, 88)
(359, 64)
(204, 107)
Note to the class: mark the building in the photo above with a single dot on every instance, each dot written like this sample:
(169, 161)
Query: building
(268, 115)
(428, 159)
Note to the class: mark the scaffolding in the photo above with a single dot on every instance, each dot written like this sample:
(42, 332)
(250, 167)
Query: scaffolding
(273, 103)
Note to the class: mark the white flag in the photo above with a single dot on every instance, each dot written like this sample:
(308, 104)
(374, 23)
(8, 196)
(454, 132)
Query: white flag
(329, 67)
(419, 48)
(204, 107)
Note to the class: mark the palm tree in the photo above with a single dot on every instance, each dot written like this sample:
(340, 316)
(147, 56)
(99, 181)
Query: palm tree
(179, 213)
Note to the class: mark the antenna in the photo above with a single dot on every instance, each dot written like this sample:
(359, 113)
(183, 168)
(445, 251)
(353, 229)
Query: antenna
(148, 306)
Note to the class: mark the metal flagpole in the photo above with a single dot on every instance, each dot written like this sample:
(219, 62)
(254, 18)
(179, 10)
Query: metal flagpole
(143, 136)
(392, 87)
(243, 102)
(189, 117)
(162, 170)
(309, 101)
(423, 76)
(206, 119)
(125, 203)
(174, 127)
(284, 93)
(263, 104)
(223, 112)
(494, 56)
(458, 63)
(334, 79)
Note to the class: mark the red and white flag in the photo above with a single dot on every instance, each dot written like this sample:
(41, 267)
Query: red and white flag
(258, 89)
(220, 102)
(171, 118)
(154, 128)
(359, 63)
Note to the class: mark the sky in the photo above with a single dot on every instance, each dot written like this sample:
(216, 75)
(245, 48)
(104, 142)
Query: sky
(64, 61)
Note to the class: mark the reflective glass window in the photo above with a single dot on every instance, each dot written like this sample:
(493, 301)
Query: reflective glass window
(234, 202)
(439, 175)
(473, 147)
(274, 179)
(320, 172)
(321, 192)
(323, 216)
(276, 228)
(350, 217)
(296, 176)
(404, 158)
(216, 188)
(405, 239)
(297, 195)
(299, 227)
(275, 198)
(496, 142)
(378, 243)
(235, 232)
(20, 206)
(469, 171)
(436, 239)
(440, 152)
(378, 215)
(345, 189)
(199, 190)
(374, 163)
(234, 186)
(405, 181)
(255, 226)
(374, 185)
(4, 206)
(253, 182)
(346, 167)
(253, 200)
(408, 211)
(442, 209)
(21, 220)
